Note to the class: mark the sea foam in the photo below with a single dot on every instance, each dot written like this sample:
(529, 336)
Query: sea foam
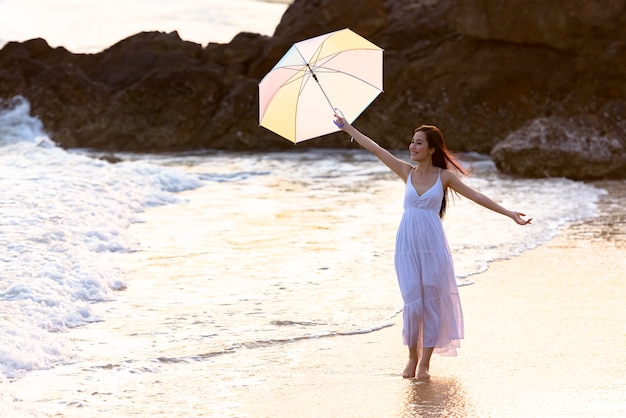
(62, 214)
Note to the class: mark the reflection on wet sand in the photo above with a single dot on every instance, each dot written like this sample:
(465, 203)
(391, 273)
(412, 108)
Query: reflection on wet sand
(438, 397)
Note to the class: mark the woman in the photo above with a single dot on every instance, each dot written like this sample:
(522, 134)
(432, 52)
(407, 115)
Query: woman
(432, 315)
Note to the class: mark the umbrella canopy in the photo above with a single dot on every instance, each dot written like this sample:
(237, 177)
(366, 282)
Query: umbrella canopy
(339, 71)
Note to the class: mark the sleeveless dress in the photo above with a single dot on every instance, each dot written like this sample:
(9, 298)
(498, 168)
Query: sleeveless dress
(432, 315)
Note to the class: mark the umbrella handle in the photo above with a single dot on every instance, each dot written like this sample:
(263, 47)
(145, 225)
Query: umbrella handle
(340, 113)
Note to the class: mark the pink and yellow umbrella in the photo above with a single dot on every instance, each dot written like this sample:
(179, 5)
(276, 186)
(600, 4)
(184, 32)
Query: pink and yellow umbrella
(318, 77)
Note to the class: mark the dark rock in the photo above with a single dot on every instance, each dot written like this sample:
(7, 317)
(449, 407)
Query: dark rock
(578, 26)
(479, 69)
(131, 59)
(579, 148)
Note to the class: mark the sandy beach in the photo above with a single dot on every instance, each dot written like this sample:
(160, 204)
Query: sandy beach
(545, 337)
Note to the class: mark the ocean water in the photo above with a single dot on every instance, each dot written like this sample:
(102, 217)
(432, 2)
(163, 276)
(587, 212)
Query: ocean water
(140, 287)
(159, 264)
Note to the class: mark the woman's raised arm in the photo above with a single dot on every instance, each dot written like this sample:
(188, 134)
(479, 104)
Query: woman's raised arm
(401, 168)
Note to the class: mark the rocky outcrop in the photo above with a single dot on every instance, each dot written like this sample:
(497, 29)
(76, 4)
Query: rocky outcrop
(150, 92)
(578, 26)
(581, 147)
(485, 71)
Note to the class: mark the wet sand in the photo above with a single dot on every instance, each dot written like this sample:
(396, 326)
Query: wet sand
(545, 337)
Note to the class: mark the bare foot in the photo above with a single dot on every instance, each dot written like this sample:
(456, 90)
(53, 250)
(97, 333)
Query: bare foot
(422, 374)
(411, 366)
(409, 370)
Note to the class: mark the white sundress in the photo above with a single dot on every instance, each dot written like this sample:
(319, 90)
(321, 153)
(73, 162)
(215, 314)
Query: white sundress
(432, 315)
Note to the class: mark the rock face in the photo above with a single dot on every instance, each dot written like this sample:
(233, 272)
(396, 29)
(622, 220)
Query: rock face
(577, 148)
(485, 71)
(150, 92)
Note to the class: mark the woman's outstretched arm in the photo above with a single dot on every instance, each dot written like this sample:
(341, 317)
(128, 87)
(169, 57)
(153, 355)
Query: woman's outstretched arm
(454, 183)
(401, 168)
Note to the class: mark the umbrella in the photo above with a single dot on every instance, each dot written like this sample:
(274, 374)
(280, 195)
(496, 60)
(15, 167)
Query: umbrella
(339, 72)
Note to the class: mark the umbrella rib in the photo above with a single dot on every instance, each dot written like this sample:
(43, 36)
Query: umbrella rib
(327, 70)
(296, 69)
(302, 78)
(331, 71)
(315, 78)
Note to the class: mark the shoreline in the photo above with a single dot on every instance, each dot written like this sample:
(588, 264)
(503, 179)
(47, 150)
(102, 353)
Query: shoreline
(538, 327)
(544, 337)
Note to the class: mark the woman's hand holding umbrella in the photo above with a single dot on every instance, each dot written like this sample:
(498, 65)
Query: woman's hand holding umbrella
(340, 121)
(363, 140)
(343, 124)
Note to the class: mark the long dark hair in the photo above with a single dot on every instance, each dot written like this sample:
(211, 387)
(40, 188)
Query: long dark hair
(442, 157)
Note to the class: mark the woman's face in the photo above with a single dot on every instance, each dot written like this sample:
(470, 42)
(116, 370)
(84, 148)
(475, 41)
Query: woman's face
(419, 147)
